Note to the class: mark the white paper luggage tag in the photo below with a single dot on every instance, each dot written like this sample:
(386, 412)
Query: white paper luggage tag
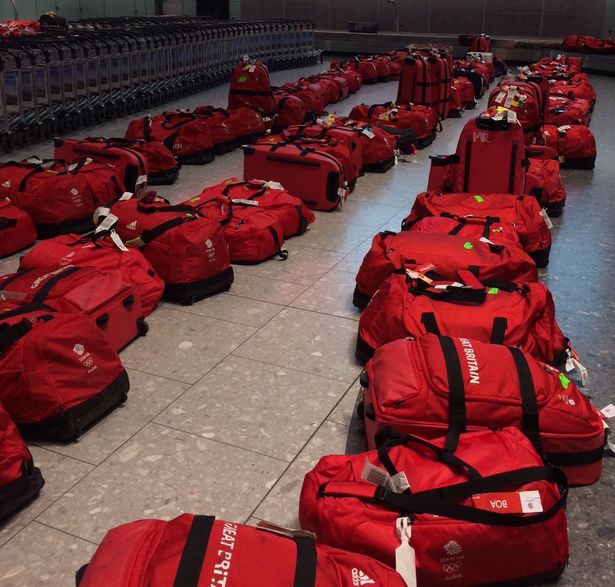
(572, 363)
(142, 179)
(368, 133)
(405, 555)
(548, 222)
(608, 420)
(101, 212)
(119, 243)
(106, 224)
(273, 185)
(246, 202)
(376, 476)
(125, 196)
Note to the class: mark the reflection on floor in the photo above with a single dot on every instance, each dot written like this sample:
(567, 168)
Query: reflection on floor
(235, 398)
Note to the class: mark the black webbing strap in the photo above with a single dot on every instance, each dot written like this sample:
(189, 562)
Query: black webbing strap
(440, 501)
(428, 319)
(305, 567)
(193, 555)
(461, 222)
(511, 171)
(303, 224)
(466, 170)
(456, 394)
(147, 128)
(498, 331)
(42, 293)
(147, 236)
(157, 209)
(12, 278)
(529, 405)
(276, 239)
(10, 334)
(7, 222)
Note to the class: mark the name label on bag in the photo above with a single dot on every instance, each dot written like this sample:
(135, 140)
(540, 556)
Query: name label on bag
(520, 502)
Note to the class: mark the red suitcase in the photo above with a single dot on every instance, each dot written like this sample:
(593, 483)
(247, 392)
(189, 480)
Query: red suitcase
(575, 145)
(522, 212)
(439, 505)
(131, 166)
(111, 303)
(291, 212)
(439, 386)
(513, 314)
(444, 253)
(251, 87)
(58, 375)
(17, 231)
(314, 176)
(198, 550)
(20, 480)
(481, 43)
(185, 134)
(377, 146)
(103, 253)
(187, 251)
(59, 196)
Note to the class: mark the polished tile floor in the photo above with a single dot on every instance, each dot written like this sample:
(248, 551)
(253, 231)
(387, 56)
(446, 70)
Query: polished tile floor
(234, 399)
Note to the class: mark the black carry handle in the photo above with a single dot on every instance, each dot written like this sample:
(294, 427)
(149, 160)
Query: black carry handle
(173, 208)
(10, 334)
(7, 222)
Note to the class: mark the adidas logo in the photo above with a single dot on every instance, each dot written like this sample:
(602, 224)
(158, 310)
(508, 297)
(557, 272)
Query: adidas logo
(79, 349)
(360, 578)
(132, 225)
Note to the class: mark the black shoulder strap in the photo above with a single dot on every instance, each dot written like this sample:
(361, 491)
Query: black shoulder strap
(147, 236)
(193, 555)
(456, 394)
(498, 331)
(305, 569)
(42, 293)
(7, 222)
(10, 334)
(429, 321)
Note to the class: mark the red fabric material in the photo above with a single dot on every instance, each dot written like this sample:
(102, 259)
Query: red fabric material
(102, 254)
(289, 110)
(408, 390)
(17, 231)
(543, 180)
(573, 144)
(14, 454)
(474, 554)
(251, 87)
(375, 149)
(563, 110)
(246, 124)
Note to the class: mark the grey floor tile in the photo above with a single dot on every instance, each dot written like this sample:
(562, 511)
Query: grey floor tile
(331, 294)
(234, 309)
(161, 473)
(352, 262)
(304, 265)
(371, 215)
(60, 474)
(334, 236)
(268, 409)
(281, 506)
(267, 290)
(346, 410)
(306, 341)
(40, 555)
(183, 346)
(148, 396)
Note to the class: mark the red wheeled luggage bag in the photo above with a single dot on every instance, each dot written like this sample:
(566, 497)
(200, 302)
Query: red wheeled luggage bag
(58, 375)
(481, 43)
(377, 146)
(17, 231)
(59, 196)
(131, 166)
(292, 213)
(111, 303)
(525, 100)
(575, 145)
(512, 314)
(102, 253)
(491, 513)
(253, 234)
(247, 124)
(445, 253)
(437, 386)
(314, 176)
(200, 550)
(521, 211)
(20, 480)
(187, 251)
(185, 134)
(251, 87)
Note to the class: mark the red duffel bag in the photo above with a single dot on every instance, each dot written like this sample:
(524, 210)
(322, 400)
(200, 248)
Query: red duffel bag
(248, 125)
(20, 480)
(491, 513)
(574, 89)
(291, 212)
(105, 253)
(445, 253)
(544, 181)
(199, 550)
(503, 313)
(186, 134)
(575, 145)
(253, 234)
(250, 87)
(366, 68)
(354, 78)
(131, 166)
(562, 110)
(17, 231)
(289, 110)
(59, 196)
(187, 251)
(521, 211)
(58, 375)
(437, 386)
(377, 146)
(111, 303)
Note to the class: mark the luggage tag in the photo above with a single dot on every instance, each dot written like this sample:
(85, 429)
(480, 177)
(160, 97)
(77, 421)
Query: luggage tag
(548, 222)
(273, 185)
(101, 212)
(512, 502)
(405, 555)
(141, 180)
(106, 224)
(414, 274)
(608, 421)
(245, 202)
(368, 133)
(377, 476)
(117, 241)
(282, 531)
(573, 362)
(125, 196)
(74, 166)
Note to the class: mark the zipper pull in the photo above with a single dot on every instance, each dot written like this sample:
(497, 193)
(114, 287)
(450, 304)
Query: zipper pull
(405, 555)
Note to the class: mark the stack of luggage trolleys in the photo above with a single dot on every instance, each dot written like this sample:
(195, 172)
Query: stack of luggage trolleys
(103, 68)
